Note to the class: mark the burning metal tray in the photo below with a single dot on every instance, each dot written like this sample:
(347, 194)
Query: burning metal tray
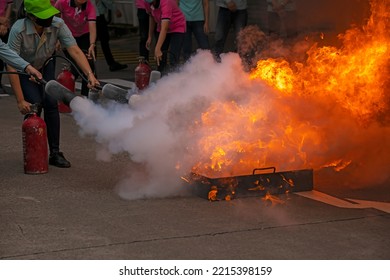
(257, 184)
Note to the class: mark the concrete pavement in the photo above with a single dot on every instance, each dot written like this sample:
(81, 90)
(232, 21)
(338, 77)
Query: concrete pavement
(77, 213)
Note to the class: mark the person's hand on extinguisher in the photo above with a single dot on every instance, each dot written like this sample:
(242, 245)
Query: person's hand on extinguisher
(92, 81)
(36, 76)
(161, 38)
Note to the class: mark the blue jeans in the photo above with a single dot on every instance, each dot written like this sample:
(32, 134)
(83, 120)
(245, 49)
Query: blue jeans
(35, 94)
(196, 28)
(225, 20)
(173, 44)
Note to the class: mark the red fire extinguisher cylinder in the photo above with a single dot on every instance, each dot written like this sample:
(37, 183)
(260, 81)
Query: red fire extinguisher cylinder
(142, 74)
(67, 79)
(35, 150)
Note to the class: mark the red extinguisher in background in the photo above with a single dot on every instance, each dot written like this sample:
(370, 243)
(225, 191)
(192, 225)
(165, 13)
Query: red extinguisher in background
(67, 79)
(142, 73)
(35, 149)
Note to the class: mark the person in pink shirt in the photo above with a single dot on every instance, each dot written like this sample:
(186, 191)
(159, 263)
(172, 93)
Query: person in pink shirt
(80, 17)
(171, 28)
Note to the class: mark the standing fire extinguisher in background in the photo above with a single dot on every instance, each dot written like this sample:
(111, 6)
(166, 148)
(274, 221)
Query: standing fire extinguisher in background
(35, 148)
(67, 79)
(142, 73)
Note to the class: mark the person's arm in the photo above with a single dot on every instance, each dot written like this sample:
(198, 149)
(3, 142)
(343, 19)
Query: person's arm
(23, 105)
(160, 40)
(77, 54)
(152, 26)
(10, 57)
(206, 11)
(231, 5)
(92, 39)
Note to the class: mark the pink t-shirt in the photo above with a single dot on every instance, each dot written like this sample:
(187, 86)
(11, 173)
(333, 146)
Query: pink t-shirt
(140, 4)
(168, 10)
(76, 18)
(3, 6)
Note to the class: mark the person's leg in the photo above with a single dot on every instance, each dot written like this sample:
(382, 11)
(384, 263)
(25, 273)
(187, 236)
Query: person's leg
(222, 30)
(273, 24)
(240, 20)
(290, 23)
(175, 48)
(164, 49)
(187, 43)
(51, 114)
(104, 38)
(143, 25)
(32, 92)
(201, 38)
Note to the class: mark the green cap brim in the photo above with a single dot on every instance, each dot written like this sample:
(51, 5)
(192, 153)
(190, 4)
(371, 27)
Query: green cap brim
(47, 13)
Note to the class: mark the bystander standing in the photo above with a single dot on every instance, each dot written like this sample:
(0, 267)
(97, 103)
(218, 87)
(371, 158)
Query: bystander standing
(103, 8)
(171, 28)
(143, 28)
(80, 17)
(197, 21)
(230, 13)
(282, 18)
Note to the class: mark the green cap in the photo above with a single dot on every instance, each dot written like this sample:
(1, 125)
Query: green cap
(42, 9)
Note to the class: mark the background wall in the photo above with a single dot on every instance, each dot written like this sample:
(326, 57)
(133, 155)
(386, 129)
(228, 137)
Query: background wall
(313, 15)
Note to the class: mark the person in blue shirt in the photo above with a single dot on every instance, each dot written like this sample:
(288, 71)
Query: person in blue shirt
(282, 18)
(102, 8)
(230, 13)
(197, 21)
(34, 38)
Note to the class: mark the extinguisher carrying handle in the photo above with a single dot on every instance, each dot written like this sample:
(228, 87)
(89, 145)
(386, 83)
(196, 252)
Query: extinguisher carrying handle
(34, 109)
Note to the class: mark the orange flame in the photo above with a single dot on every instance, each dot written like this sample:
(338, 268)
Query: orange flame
(266, 130)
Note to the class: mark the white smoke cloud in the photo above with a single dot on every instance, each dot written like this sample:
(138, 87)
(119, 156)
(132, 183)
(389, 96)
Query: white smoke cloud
(155, 131)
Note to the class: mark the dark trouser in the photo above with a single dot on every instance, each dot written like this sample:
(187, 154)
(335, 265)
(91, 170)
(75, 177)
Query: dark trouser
(225, 20)
(173, 44)
(196, 28)
(35, 94)
(275, 22)
(103, 36)
(83, 43)
(143, 27)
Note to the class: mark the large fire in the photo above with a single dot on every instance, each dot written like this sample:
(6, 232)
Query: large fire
(291, 124)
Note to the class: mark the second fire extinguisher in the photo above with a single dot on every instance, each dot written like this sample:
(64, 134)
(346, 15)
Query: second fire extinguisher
(142, 74)
(67, 79)
(35, 150)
